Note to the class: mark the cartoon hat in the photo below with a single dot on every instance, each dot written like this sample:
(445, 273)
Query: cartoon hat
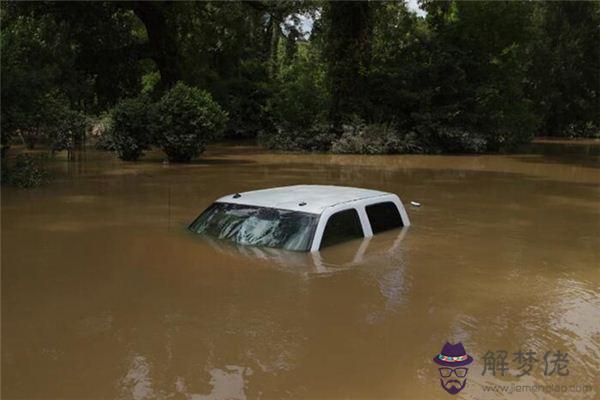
(453, 355)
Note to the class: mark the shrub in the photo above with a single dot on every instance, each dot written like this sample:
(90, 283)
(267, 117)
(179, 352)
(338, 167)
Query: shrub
(49, 120)
(100, 132)
(104, 142)
(186, 119)
(27, 172)
(317, 137)
(579, 130)
(439, 133)
(360, 138)
(130, 132)
(357, 138)
(68, 129)
(448, 139)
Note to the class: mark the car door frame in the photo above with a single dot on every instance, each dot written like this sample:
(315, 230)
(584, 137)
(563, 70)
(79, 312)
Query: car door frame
(359, 207)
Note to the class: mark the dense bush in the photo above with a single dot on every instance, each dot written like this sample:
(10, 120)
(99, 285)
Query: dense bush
(100, 132)
(27, 171)
(439, 138)
(588, 129)
(67, 130)
(50, 121)
(357, 137)
(317, 137)
(104, 142)
(130, 131)
(360, 138)
(186, 119)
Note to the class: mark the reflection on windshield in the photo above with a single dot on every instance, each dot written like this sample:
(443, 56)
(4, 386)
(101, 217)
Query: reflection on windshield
(257, 226)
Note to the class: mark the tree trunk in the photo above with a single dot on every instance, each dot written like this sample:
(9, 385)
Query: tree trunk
(161, 38)
(273, 46)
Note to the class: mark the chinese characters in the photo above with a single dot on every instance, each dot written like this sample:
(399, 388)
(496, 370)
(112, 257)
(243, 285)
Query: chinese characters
(497, 362)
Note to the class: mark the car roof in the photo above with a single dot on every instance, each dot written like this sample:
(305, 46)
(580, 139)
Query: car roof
(316, 197)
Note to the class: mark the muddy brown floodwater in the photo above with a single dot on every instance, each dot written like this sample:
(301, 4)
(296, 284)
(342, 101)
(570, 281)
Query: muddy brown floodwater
(106, 295)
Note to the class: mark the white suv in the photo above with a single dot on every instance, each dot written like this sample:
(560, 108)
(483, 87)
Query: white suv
(301, 217)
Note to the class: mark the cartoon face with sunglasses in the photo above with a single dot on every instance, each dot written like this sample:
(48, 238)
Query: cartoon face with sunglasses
(453, 374)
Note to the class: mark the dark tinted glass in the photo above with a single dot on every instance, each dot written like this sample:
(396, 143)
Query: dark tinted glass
(342, 226)
(383, 216)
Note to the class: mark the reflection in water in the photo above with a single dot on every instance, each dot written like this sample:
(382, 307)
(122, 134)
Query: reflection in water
(577, 315)
(328, 260)
(105, 294)
(136, 384)
(226, 383)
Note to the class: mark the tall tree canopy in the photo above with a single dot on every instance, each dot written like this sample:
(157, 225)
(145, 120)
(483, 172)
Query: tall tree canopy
(348, 51)
(468, 76)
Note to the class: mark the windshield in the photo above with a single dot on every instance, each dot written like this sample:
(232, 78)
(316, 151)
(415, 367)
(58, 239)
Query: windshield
(257, 226)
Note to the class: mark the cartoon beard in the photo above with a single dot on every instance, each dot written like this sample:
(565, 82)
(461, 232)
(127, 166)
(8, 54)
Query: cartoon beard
(451, 387)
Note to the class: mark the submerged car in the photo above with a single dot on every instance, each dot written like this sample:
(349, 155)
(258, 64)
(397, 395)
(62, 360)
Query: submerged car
(301, 217)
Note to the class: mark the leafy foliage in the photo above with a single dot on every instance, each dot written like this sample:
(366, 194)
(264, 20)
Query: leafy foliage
(186, 118)
(360, 138)
(467, 77)
(67, 130)
(130, 132)
(300, 97)
(317, 137)
(462, 88)
(348, 51)
(49, 75)
(565, 69)
(27, 172)
(245, 97)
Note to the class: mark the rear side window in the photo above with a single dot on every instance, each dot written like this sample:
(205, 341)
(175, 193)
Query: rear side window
(383, 216)
(341, 227)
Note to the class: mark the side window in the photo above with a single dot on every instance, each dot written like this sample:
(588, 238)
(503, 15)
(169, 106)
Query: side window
(342, 226)
(383, 216)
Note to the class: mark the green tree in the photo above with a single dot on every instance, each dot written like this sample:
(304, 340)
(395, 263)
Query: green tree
(399, 67)
(35, 103)
(300, 97)
(348, 54)
(565, 74)
(475, 94)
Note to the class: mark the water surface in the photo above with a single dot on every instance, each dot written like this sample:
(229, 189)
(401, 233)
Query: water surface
(105, 294)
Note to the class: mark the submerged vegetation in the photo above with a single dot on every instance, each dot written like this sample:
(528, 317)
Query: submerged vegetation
(181, 123)
(347, 77)
(184, 120)
(27, 171)
(130, 126)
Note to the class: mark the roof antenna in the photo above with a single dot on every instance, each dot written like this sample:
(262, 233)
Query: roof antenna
(237, 196)
(302, 204)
